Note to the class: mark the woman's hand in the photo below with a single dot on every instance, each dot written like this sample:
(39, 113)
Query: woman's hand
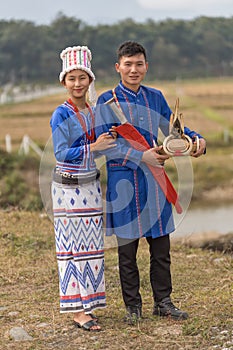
(104, 141)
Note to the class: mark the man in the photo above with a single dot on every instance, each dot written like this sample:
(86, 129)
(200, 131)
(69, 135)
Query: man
(136, 204)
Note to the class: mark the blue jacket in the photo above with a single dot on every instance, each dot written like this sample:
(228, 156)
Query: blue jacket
(71, 147)
(136, 205)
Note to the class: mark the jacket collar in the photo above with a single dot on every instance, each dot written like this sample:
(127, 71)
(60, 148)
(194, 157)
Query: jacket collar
(129, 91)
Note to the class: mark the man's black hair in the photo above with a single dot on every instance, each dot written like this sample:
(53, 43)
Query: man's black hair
(130, 48)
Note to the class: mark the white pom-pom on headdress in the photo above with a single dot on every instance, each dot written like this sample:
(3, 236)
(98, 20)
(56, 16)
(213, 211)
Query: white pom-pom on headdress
(92, 93)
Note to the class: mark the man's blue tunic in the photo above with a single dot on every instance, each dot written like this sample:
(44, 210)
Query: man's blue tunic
(136, 205)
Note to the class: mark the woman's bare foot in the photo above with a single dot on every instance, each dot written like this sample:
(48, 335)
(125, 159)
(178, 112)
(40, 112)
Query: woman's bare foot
(81, 318)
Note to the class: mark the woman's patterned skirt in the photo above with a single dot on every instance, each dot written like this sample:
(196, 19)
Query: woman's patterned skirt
(78, 220)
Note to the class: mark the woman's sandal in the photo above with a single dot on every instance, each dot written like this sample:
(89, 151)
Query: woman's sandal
(94, 317)
(88, 326)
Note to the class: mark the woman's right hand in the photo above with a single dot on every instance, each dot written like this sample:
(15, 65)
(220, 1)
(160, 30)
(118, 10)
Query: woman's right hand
(104, 141)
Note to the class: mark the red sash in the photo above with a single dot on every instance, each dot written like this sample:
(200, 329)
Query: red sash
(137, 141)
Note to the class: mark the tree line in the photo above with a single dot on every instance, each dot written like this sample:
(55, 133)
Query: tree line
(202, 47)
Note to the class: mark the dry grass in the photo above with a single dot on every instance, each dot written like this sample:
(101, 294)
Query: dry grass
(202, 280)
(202, 285)
(30, 118)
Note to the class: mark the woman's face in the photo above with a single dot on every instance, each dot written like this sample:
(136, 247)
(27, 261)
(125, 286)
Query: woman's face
(77, 83)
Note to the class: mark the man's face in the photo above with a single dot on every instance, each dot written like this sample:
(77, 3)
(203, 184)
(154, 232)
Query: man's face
(132, 70)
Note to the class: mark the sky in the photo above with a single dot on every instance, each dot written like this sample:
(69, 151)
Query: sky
(96, 12)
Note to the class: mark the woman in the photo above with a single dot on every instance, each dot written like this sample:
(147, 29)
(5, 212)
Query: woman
(76, 192)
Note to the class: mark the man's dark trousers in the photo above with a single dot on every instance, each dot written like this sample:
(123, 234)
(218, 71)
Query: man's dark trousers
(160, 275)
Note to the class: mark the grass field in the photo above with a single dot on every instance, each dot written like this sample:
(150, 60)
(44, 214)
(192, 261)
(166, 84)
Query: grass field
(202, 285)
(202, 280)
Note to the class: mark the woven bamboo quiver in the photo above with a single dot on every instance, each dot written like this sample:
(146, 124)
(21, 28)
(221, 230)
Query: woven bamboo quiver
(177, 143)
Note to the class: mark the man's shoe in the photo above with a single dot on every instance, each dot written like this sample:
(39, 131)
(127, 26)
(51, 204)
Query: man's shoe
(166, 308)
(133, 314)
